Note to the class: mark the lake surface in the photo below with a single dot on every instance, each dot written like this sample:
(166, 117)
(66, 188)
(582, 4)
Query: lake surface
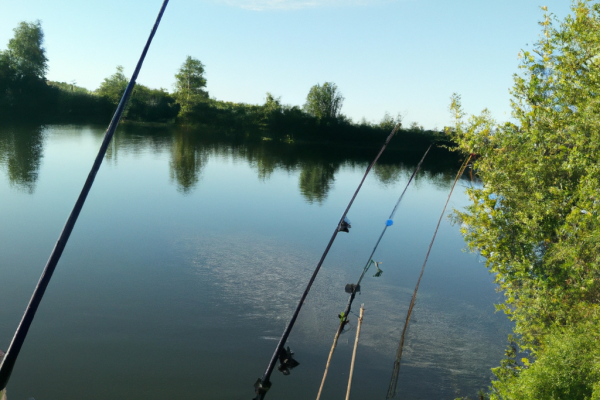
(192, 251)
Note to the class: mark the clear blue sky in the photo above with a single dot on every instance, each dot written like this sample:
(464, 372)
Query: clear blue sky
(404, 56)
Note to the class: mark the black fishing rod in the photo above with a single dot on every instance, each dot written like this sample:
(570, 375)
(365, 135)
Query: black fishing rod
(395, 373)
(19, 338)
(263, 384)
(354, 288)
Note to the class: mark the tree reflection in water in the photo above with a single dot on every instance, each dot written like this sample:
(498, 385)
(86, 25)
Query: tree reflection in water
(388, 174)
(316, 180)
(21, 152)
(265, 166)
(187, 161)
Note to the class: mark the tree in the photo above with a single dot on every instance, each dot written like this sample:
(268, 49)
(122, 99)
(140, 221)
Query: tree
(536, 218)
(190, 83)
(324, 101)
(23, 67)
(271, 112)
(151, 105)
(114, 86)
(25, 50)
(272, 104)
(6, 79)
(388, 122)
(415, 127)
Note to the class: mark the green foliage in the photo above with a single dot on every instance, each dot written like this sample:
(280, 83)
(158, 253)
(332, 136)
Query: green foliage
(22, 69)
(388, 122)
(190, 84)
(27, 96)
(324, 101)
(568, 367)
(288, 123)
(415, 127)
(151, 105)
(145, 104)
(272, 110)
(25, 51)
(69, 87)
(113, 87)
(6, 80)
(75, 104)
(537, 217)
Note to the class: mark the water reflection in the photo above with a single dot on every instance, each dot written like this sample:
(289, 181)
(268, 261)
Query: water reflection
(387, 174)
(217, 291)
(132, 139)
(265, 167)
(187, 161)
(21, 152)
(316, 179)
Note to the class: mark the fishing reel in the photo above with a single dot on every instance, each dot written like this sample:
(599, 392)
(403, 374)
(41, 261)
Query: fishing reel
(286, 361)
(345, 225)
(261, 388)
(352, 288)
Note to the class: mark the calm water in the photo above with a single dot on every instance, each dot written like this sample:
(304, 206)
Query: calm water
(191, 253)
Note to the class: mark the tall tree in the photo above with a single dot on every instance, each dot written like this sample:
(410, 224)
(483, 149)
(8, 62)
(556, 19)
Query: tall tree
(190, 84)
(26, 51)
(324, 101)
(114, 86)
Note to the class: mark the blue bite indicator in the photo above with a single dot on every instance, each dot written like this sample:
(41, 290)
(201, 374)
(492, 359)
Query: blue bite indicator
(389, 222)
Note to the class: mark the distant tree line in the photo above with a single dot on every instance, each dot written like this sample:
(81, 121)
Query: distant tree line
(25, 93)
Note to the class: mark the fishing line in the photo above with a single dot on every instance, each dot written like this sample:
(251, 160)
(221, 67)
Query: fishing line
(390, 221)
(354, 288)
(394, 381)
(19, 338)
(263, 384)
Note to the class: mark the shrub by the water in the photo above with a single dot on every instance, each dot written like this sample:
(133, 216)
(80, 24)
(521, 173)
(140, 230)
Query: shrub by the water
(537, 217)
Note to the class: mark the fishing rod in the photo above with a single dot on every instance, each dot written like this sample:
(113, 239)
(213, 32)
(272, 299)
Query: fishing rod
(394, 381)
(12, 353)
(354, 288)
(263, 384)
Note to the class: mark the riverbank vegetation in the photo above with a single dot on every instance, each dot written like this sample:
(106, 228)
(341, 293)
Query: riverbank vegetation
(537, 217)
(26, 94)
